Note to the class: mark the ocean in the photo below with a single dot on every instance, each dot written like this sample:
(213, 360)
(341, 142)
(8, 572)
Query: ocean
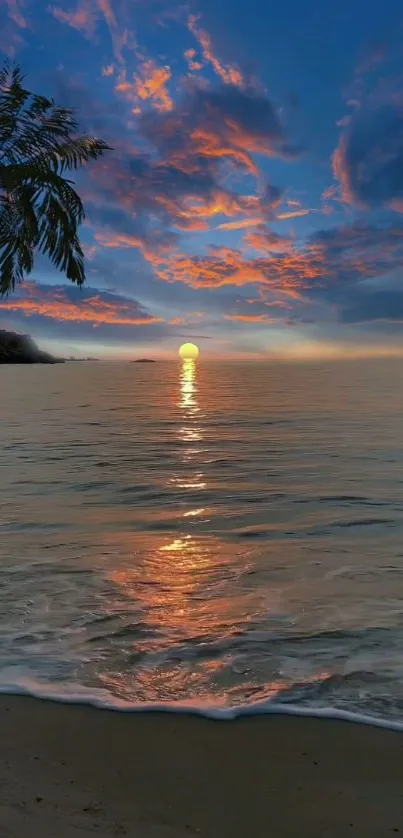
(217, 537)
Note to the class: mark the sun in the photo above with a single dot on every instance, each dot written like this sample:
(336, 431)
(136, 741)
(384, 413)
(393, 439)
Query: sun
(189, 352)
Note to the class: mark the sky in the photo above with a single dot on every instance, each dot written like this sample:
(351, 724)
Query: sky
(253, 199)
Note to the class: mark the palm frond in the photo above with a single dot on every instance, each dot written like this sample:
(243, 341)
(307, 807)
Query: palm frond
(39, 209)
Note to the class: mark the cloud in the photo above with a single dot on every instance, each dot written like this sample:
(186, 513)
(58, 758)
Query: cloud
(217, 124)
(16, 14)
(241, 224)
(226, 266)
(368, 162)
(159, 196)
(13, 21)
(12, 41)
(149, 85)
(68, 304)
(177, 170)
(230, 74)
(265, 240)
(154, 249)
(297, 213)
(191, 319)
(106, 8)
(251, 318)
(178, 181)
(85, 17)
(340, 256)
(118, 241)
(193, 63)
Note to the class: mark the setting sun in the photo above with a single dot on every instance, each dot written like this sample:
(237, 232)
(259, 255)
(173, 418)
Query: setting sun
(189, 352)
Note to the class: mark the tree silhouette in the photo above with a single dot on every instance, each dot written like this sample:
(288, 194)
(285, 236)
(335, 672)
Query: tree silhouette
(40, 212)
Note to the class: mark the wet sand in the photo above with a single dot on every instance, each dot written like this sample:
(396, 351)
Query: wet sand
(77, 771)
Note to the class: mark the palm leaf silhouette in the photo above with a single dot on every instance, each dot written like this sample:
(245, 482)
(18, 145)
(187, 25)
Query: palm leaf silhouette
(39, 209)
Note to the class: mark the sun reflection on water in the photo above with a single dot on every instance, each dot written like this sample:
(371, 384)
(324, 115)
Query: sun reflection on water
(188, 387)
(190, 433)
(180, 581)
(193, 613)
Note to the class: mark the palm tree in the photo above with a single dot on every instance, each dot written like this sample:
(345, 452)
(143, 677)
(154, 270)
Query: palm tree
(40, 212)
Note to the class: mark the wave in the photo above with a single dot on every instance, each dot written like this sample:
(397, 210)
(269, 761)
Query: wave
(102, 700)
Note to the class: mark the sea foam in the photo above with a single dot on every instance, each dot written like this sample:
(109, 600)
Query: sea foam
(102, 700)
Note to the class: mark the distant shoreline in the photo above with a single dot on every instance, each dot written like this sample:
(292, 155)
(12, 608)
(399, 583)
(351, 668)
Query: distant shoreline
(21, 349)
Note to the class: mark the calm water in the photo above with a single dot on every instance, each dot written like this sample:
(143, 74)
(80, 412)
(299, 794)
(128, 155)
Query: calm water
(220, 534)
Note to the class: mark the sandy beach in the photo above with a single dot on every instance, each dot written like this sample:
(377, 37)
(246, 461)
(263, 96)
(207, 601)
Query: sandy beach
(77, 771)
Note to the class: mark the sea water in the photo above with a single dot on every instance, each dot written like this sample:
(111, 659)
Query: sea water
(218, 536)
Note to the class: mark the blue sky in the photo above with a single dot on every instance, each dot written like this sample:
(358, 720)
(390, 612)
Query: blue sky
(253, 200)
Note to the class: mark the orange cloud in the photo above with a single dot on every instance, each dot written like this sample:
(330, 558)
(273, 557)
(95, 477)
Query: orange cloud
(240, 225)
(282, 216)
(159, 198)
(267, 241)
(193, 209)
(209, 144)
(232, 140)
(229, 74)
(108, 70)
(288, 273)
(71, 305)
(342, 254)
(148, 85)
(118, 240)
(161, 192)
(193, 64)
(251, 318)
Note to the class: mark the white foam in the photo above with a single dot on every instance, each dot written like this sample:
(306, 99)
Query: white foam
(103, 700)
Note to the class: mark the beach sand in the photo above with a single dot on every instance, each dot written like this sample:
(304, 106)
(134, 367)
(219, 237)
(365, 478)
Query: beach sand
(77, 771)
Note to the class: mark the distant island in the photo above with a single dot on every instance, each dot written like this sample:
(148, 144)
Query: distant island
(21, 349)
(144, 361)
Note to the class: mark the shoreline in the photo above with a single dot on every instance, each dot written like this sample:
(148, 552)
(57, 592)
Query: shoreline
(214, 712)
(74, 770)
